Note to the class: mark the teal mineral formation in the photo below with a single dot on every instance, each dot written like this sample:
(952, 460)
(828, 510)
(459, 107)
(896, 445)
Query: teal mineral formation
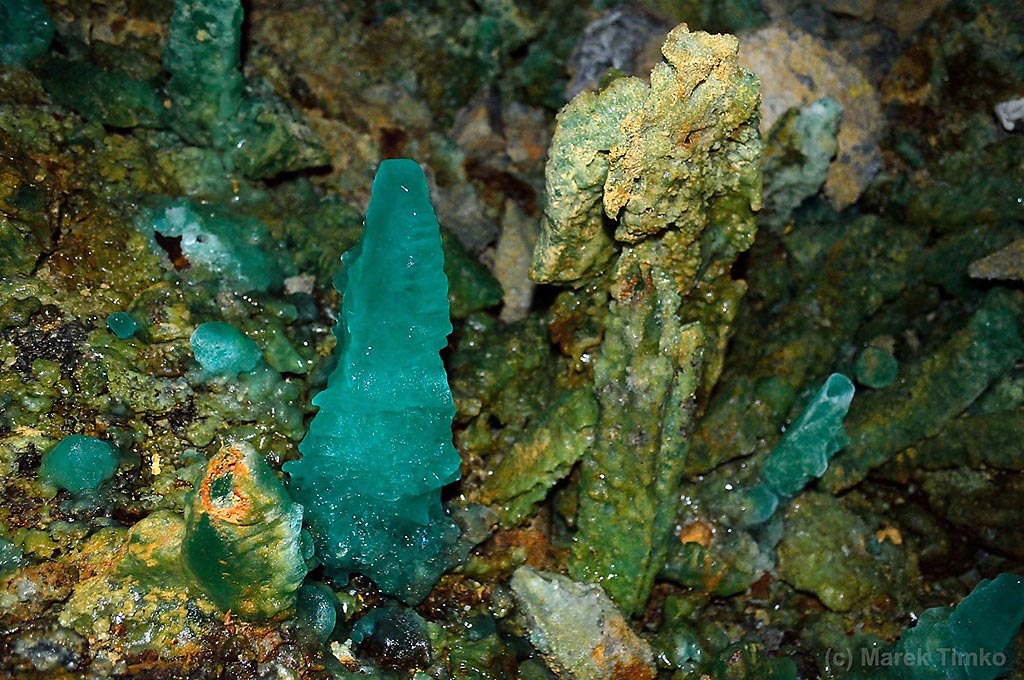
(222, 349)
(380, 448)
(26, 31)
(78, 464)
(808, 445)
(973, 640)
(122, 325)
(242, 536)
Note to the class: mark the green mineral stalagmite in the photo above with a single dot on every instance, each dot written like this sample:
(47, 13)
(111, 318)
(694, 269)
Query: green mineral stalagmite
(204, 56)
(243, 536)
(973, 640)
(380, 448)
(650, 197)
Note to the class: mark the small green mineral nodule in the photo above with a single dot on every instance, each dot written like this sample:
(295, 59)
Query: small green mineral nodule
(222, 349)
(122, 325)
(876, 367)
(242, 536)
(79, 463)
(315, 610)
(380, 448)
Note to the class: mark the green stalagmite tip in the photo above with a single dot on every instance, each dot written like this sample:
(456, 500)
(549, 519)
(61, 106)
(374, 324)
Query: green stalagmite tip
(974, 640)
(79, 463)
(380, 448)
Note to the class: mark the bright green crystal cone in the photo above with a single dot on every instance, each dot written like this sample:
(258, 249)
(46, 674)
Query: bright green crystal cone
(380, 448)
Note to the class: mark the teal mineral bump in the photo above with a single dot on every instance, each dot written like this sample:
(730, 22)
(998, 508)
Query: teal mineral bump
(78, 463)
(122, 325)
(222, 349)
(876, 367)
(380, 448)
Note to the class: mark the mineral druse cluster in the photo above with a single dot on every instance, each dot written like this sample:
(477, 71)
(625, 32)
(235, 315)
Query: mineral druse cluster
(511, 339)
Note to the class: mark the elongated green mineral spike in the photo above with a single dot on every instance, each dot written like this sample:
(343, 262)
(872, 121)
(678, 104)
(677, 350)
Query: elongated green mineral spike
(242, 536)
(380, 448)
(203, 56)
(808, 445)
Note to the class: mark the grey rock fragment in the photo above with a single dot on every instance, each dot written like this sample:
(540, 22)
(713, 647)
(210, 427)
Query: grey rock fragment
(1011, 114)
(614, 40)
(578, 630)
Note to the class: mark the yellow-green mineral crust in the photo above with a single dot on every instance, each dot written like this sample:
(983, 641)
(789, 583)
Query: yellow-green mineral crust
(674, 166)
(136, 593)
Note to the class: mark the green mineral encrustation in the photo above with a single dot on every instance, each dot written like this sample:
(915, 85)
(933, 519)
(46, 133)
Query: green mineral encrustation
(26, 31)
(832, 552)
(110, 97)
(798, 150)
(937, 388)
(222, 349)
(203, 54)
(379, 450)
(876, 367)
(973, 640)
(676, 166)
(573, 243)
(980, 439)
(25, 230)
(544, 454)
(11, 557)
(216, 242)
(471, 286)
(79, 463)
(155, 166)
(242, 536)
(140, 570)
(212, 105)
(852, 280)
